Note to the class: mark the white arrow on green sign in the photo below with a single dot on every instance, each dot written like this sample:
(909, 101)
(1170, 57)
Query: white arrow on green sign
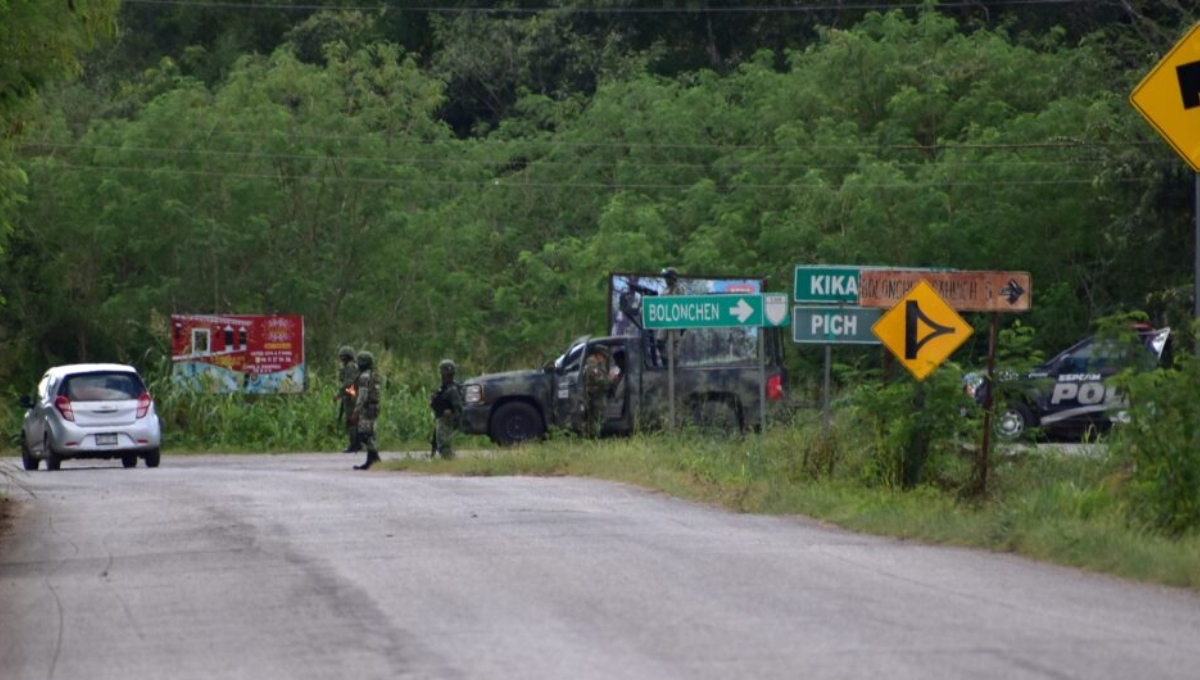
(702, 311)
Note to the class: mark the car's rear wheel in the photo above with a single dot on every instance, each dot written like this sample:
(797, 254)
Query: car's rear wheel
(516, 422)
(152, 458)
(27, 458)
(129, 461)
(53, 460)
(1013, 422)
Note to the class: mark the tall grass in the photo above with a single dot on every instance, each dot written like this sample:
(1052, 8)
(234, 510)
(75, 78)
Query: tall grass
(307, 421)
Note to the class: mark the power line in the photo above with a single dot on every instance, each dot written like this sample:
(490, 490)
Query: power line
(525, 145)
(503, 163)
(609, 186)
(720, 9)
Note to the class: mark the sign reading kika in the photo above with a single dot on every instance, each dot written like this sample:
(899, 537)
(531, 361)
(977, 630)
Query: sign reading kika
(922, 330)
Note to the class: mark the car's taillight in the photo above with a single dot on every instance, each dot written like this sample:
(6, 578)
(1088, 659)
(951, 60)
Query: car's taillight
(143, 404)
(775, 388)
(63, 406)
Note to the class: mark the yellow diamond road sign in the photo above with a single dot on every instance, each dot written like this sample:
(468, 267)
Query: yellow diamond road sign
(1169, 97)
(922, 330)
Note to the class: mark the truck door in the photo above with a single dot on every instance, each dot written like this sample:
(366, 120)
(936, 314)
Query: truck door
(622, 399)
(568, 386)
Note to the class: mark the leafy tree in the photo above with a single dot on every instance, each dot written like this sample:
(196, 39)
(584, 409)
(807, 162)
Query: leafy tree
(39, 43)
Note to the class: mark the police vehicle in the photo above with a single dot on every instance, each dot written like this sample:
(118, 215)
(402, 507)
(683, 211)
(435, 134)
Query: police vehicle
(1072, 395)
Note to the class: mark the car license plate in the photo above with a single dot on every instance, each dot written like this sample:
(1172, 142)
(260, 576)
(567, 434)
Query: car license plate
(106, 440)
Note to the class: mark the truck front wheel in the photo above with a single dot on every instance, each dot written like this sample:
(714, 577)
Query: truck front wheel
(514, 423)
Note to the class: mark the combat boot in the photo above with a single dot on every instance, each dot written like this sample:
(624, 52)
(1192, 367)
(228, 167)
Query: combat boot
(372, 458)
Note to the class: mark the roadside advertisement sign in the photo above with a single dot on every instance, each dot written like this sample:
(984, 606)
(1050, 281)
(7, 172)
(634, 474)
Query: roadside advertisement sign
(254, 354)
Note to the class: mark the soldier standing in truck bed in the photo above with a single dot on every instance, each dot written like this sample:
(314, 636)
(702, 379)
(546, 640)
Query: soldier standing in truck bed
(674, 287)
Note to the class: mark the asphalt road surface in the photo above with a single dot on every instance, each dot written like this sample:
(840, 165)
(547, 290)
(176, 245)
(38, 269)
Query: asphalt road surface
(293, 567)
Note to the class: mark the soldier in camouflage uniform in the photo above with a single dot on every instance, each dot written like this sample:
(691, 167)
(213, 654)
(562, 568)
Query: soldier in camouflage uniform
(447, 405)
(366, 406)
(674, 287)
(596, 384)
(347, 375)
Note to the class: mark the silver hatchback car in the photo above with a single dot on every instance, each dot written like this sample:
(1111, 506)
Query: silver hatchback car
(90, 411)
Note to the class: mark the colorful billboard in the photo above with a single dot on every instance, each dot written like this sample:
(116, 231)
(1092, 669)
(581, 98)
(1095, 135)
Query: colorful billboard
(254, 354)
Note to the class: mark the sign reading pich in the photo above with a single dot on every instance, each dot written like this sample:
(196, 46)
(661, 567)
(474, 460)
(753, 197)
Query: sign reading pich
(255, 354)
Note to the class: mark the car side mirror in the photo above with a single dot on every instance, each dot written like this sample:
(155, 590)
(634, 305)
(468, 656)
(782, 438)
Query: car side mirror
(25, 401)
(549, 367)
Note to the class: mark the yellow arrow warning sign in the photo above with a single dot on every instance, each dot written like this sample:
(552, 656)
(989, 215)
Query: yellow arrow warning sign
(1169, 97)
(922, 330)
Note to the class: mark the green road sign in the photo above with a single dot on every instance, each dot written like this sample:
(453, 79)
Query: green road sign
(836, 284)
(834, 325)
(703, 311)
(826, 284)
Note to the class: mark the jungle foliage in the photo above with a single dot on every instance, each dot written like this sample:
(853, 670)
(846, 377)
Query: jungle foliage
(458, 182)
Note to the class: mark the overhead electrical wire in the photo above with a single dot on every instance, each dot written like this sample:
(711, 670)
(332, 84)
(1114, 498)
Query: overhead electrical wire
(612, 185)
(506, 162)
(719, 9)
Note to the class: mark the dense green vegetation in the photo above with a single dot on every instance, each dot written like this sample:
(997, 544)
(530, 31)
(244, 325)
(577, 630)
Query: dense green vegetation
(459, 181)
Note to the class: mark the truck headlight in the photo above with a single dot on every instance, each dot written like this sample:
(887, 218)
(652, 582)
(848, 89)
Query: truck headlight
(473, 394)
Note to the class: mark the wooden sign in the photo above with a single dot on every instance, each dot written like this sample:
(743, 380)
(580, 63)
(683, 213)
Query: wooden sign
(964, 291)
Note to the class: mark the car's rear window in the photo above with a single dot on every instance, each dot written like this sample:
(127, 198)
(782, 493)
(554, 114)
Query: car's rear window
(102, 386)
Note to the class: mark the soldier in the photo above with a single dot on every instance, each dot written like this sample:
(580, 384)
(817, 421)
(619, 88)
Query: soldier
(596, 384)
(347, 375)
(675, 337)
(366, 406)
(447, 405)
(674, 286)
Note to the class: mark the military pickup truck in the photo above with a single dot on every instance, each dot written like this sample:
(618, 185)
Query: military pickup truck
(713, 388)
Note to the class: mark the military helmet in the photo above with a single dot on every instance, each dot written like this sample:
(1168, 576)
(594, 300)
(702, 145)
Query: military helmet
(446, 365)
(365, 360)
(346, 353)
(670, 273)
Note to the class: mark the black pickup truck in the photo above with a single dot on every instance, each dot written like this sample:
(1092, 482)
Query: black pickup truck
(710, 389)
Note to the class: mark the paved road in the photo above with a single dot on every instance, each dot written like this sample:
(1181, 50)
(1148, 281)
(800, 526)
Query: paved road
(294, 567)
